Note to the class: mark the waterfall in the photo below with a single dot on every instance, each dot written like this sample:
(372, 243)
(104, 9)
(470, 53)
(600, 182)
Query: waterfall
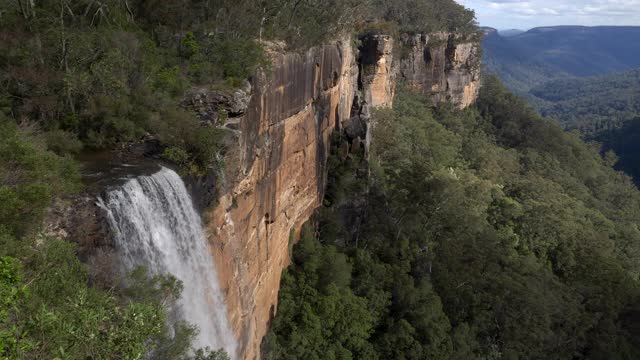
(156, 225)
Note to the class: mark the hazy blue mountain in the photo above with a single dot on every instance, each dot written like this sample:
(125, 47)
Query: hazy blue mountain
(540, 54)
(510, 32)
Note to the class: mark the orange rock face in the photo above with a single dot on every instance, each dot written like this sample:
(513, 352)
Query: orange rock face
(283, 147)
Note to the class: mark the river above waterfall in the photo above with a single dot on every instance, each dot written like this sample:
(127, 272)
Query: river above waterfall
(107, 169)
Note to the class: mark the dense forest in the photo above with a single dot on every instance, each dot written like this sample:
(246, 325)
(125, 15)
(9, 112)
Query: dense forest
(604, 108)
(592, 105)
(485, 233)
(80, 76)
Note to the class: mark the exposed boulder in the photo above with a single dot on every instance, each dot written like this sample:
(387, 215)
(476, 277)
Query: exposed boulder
(215, 106)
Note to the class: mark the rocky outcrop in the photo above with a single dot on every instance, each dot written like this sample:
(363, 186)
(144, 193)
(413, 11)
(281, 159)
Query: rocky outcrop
(442, 66)
(79, 220)
(275, 174)
(218, 107)
(377, 70)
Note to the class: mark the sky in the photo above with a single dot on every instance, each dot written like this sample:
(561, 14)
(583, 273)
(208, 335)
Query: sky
(526, 14)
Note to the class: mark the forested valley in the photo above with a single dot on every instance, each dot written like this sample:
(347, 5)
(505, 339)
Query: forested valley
(604, 109)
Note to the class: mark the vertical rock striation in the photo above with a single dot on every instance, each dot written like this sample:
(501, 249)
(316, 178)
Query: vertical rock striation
(278, 178)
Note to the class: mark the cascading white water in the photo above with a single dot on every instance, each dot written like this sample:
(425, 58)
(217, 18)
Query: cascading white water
(156, 225)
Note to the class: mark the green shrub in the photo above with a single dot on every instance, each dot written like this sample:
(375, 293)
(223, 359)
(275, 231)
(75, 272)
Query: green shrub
(63, 142)
(192, 146)
(176, 155)
(30, 179)
(239, 59)
(171, 80)
(57, 315)
(190, 45)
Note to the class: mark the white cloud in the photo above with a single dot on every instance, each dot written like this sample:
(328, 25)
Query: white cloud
(526, 14)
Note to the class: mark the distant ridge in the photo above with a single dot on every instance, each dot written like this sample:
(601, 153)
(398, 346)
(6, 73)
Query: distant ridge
(489, 30)
(510, 32)
(543, 29)
(543, 53)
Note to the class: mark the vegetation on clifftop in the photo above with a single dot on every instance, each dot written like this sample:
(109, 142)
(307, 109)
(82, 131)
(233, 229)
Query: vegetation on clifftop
(420, 16)
(486, 233)
(99, 73)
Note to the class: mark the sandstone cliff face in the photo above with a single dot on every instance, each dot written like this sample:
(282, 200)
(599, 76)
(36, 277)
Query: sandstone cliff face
(282, 150)
(275, 174)
(442, 66)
